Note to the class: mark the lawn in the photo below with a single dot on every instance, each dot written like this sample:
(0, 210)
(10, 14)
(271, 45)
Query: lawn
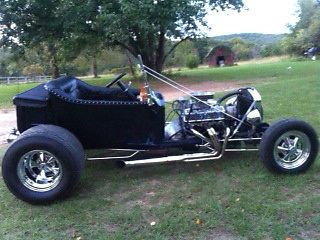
(232, 198)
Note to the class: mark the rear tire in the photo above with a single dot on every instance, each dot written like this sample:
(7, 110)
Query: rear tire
(43, 164)
(289, 146)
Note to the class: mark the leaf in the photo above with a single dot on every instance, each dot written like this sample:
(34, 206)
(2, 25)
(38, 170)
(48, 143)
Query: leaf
(198, 221)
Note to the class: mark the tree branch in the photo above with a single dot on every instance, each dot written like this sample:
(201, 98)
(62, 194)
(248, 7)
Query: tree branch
(174, 47)
(132, 51)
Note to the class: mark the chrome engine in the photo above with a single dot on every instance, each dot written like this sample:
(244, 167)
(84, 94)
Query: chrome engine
(194, 111)
(201, 112)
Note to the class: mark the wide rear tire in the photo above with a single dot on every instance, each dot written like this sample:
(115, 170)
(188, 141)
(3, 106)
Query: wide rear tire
(289, 146)
(43, 164)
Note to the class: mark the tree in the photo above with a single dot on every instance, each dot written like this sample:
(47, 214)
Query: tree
(306, 33)
(274, 49)
(12, 64)
(5, 59)
(53, 26)
(33, 70)
(307, 9)
(64, 28)
(202, 45)
(143, 27)
(33, 24)
(85, 28)
(179, 56)
(243, 50)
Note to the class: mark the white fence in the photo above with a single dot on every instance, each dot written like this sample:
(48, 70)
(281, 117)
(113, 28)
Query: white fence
(24, 79)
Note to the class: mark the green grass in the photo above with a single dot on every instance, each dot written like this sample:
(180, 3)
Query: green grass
(7, 92)
(253, 71)
(234, 197)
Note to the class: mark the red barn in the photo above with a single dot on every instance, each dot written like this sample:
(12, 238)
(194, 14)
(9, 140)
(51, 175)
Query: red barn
(220, 56)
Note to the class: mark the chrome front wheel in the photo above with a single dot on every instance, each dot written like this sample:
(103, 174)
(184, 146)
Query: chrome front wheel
(292, 149)
(39, 170)
(289, 146)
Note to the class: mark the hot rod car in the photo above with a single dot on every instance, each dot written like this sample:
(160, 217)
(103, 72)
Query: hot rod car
(59, 119)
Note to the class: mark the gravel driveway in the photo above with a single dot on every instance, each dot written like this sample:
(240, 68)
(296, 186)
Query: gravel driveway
(7, 122)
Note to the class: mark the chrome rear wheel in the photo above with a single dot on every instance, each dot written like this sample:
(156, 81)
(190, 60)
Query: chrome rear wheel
(43, 164)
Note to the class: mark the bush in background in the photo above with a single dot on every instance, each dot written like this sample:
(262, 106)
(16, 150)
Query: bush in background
(33, 70)
(192, 61)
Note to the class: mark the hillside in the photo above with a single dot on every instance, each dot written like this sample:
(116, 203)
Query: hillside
(257, 38)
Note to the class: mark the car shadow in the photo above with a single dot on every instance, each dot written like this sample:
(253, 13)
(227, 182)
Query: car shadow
(101, 172)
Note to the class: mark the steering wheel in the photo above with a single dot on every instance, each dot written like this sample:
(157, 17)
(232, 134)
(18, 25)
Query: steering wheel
(124, 87)
(220, 100)
(117, 79)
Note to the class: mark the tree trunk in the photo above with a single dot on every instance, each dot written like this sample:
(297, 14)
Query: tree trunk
(94, 67)
(147, 60)
(160, 53)
(130, 64)
(55, 68)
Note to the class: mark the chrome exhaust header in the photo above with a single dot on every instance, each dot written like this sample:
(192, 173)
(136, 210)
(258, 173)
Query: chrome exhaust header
(214, 139)
(195, 157)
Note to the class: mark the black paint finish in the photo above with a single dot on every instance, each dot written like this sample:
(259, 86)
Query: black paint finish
(99, 117)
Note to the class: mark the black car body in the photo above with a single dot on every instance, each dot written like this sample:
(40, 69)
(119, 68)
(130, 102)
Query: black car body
(99, 117)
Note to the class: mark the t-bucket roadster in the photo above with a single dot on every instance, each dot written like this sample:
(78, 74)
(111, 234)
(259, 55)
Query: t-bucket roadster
(59, 119)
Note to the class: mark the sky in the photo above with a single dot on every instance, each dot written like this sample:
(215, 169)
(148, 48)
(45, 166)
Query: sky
(261, 16)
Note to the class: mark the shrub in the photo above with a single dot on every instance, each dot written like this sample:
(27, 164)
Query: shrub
(192, 61)
(33, 70)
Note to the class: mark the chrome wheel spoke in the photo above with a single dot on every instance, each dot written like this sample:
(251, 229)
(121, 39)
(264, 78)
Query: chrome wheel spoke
(50, 160)
(298, 152)
(286, 157)
(41, 156)
(53, 170)
(282, 150)
(295, 141)
(292, 149)
(31, 164)
(41, 177)
(287, 141)
(39, 170)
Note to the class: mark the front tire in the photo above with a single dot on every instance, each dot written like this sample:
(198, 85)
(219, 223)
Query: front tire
(289, 146)
(43, 164)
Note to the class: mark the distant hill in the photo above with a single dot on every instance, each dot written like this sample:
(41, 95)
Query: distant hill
(257, 38)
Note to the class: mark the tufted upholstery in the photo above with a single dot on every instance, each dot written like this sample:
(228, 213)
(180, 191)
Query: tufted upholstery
(74, 90)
